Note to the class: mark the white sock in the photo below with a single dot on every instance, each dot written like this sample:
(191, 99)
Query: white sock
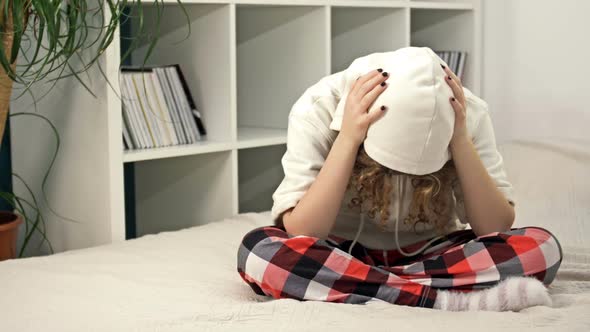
(511, 294)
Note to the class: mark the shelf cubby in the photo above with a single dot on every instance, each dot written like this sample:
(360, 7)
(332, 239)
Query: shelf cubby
(360, 31)
(281, 50)
(444, 30)
(177, 193)
(203, 55)
(258, 177)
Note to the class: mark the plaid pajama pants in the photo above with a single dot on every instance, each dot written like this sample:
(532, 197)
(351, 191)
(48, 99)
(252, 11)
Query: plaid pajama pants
(279, 265)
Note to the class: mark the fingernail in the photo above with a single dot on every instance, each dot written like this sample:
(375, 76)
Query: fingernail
(452, 98)
(449, 78)
(382, 83)
(383, 107)
(443, 66)
(379, 70)
(385, 74)
(358, 78)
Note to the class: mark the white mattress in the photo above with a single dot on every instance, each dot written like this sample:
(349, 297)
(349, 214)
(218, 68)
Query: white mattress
(187, 280)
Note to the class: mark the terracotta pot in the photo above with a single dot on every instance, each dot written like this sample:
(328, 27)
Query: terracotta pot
(9, 223)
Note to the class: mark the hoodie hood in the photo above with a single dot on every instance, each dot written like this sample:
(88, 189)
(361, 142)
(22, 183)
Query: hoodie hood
(414, 134)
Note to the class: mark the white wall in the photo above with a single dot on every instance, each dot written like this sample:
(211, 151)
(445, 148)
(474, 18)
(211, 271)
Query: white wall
(77, 187)
(79, 118)
(536, 67)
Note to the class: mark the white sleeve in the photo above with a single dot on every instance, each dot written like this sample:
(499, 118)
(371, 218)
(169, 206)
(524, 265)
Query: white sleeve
(309, 141)
(484, 141)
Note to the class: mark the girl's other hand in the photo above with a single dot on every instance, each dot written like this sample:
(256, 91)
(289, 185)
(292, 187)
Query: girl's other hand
(458, 103)
(363, 93)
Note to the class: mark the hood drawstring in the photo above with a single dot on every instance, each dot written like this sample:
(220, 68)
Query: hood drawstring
(359, 230)
(426, 245)
(358, 233)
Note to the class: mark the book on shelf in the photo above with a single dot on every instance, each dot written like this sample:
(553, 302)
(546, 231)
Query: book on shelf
(158, 108)
(191, 101)
(455, 60)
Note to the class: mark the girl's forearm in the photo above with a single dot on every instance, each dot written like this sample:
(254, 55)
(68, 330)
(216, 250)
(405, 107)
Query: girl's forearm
(487, 209)
(316, 211)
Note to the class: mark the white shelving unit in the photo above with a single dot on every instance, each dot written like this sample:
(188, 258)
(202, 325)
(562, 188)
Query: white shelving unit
(246, 63)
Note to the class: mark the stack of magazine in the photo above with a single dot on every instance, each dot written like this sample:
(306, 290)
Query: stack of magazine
(158, 108)
(455, 60)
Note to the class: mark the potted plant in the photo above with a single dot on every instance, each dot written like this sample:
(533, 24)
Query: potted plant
(57, 31)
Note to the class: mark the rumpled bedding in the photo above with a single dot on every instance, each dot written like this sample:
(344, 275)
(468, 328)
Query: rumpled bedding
(187, 281)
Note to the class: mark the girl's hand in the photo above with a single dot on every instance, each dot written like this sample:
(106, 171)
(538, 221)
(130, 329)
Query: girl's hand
(458, 103)
(356, 120)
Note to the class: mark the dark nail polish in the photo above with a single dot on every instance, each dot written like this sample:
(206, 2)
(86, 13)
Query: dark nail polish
(449, 78)
(453, 98)
(382, 83)
(382, 107)
(379, 70)
(443, 66)
(385, 74)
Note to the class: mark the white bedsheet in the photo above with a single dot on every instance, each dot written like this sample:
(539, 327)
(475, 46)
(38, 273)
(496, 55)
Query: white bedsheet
(187, 280)
(551, 179)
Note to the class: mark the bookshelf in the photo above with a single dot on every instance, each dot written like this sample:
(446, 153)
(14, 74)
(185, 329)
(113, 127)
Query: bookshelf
(246, 63)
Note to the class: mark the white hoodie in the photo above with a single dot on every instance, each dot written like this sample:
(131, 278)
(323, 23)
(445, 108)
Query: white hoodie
(312, 129)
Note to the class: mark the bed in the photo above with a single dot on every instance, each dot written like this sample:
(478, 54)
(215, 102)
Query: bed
(187, 280)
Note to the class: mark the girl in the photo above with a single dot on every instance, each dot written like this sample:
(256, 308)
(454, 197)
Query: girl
(386, 163)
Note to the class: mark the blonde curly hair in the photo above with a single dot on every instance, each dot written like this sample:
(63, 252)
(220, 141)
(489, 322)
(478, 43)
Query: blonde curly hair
(432, 197)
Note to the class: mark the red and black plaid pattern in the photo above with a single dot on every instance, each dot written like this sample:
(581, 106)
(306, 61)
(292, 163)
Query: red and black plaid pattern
(276, 264)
